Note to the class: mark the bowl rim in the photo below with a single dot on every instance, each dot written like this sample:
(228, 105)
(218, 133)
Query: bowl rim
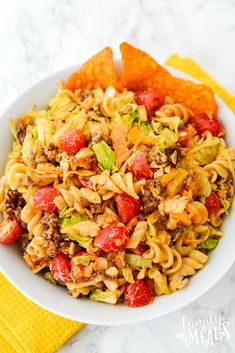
(103, 321)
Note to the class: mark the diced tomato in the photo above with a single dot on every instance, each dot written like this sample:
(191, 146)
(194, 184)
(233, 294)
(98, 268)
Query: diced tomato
(127, 206)
(212, 203)
(9, 230)
(73, 141)
(138, 294)
(61, 267)
(141, 248)
(44, 198)
(152, 99)
(203, 123)
(183, 137)
(112, 238)
(86, 183)
(139, 166)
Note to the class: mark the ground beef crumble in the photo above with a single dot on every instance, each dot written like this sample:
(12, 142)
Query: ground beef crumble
(173, 154)
(51, 152)
(51, 233)
(14, 203)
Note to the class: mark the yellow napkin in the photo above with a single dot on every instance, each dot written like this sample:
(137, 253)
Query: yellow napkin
(191, 68)
(27, 328)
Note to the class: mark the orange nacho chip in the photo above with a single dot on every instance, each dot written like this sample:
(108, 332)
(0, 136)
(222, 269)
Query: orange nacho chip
(197, 97)
(141, 71)
(97, 71)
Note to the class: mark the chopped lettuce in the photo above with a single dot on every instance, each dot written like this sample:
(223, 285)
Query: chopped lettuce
(104, 296)
(147, 129)
(112, 271)
(136, 261)
(104, 155)
(168, 138)
(49, 277)
(69, 221)
(127, 274)
(206, 155)
(157, 127)
(45, 129)
(208, 244)
(83, 241)
(82, 260)
(160, 282)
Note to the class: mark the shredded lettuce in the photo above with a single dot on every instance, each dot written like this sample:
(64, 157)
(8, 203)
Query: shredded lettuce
(104, 155)
(69, 221)
(83, 241)
(82, 260)
(136, 261)
(208, 244)
(157, 127)
(127, 274)
(50, 278)
(168, 138)
(104, 296)
(206, 155)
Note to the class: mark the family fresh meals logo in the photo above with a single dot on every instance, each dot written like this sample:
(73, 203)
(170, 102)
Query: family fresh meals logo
(206, 331)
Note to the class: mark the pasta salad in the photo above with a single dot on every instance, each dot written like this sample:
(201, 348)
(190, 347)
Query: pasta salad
(117, 194)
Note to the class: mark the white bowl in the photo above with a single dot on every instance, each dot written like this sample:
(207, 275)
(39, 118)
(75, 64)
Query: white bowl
(55, 298)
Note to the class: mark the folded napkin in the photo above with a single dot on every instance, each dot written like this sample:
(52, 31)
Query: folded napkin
(27, 328)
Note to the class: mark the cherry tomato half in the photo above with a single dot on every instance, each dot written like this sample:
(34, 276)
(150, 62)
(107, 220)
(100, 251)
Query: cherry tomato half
(44, 198)
(139, 166)
(203, 123)
(73, 141)
(61, 267)
(151, 98)
(138, 294)
(112, 238)
(9, 230)
(127, 206)
(212, 203)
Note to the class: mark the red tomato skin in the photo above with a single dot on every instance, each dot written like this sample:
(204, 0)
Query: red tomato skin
(139, 166)
(138, 294)
(203, 123)
(43, 198)
(112, 239)
(212, 203)
(10, 230)
(127, 206)
(73, 141)
(61, 268)
(151, 98)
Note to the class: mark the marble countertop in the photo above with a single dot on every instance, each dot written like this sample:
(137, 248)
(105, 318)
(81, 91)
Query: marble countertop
(38, 37)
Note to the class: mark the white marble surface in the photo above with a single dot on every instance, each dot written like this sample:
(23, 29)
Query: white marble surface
(37, 37)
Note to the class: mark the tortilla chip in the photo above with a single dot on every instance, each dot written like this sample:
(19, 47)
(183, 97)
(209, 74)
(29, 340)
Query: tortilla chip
(197, 97)
(140, 71)
(98, 71)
